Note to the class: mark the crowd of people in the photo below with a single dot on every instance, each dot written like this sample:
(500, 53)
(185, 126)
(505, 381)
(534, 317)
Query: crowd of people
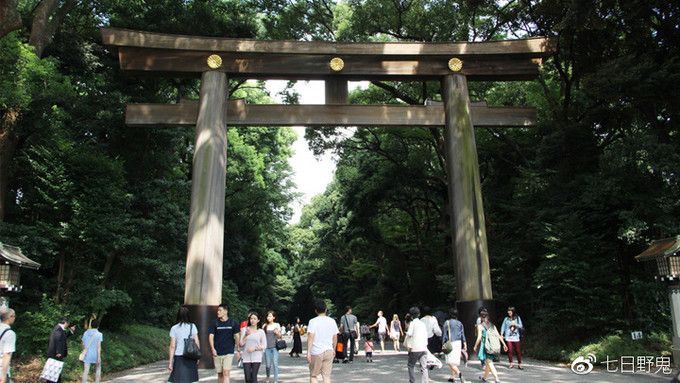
(426, 337)
(255, 341)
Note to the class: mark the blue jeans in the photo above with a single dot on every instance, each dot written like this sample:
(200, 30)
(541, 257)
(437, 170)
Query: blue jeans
(271, 359)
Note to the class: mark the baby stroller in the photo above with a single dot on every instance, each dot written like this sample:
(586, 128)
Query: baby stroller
(340, 348)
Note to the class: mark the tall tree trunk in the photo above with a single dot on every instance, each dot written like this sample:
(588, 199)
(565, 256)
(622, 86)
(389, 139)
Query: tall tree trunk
(10, 20)
(47, 17)
(8, 145)
(108, 266)
(60, 278)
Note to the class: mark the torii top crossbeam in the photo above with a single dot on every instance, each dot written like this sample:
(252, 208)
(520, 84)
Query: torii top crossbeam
(273, 59)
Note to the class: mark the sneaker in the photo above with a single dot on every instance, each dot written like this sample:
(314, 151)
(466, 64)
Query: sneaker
(345, 361)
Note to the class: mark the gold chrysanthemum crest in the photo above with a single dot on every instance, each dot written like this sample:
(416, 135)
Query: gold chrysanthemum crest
(214, 61)
(337, 64)
(455, 64)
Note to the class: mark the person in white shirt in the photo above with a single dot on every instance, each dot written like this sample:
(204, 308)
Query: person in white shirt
(381, 324)
(8, 339)
(322, 337)
(417, 334)
(434, 332)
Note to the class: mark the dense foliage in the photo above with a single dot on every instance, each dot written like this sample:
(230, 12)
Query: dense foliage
(568, 204)
(104, 207)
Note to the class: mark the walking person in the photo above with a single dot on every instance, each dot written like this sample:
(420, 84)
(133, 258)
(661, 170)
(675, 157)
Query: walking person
(487, 347)
(271, 354)
(223, 336)
(182, 370)
(368, 348)
(417, 336)
(434, 332)
(322, 337)
(396, 331)
(8, 340)
(454, 333)
(297, 339)
(92, 346)
(253, 342)
(381, 324)
(58, 347)
(349, 325)
(510, 330)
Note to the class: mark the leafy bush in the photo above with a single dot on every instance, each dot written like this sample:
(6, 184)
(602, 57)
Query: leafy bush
(33, 327)
(135, 345)
(614, 346)
(618, 345)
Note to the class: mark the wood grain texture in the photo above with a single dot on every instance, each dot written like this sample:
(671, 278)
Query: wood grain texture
(336, 91)
(473, 275)
(203, 285)
(306, 66)
(533, 47)
(241, 114)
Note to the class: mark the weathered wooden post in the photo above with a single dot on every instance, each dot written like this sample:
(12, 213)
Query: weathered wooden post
(203, 285)
(473, 276)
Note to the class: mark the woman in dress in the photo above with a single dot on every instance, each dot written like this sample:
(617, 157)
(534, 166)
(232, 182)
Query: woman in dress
(297, 339)
(454, 332)
(182, 370)
(253, 342)
(272, 331)
(396, 331)
(483, 331)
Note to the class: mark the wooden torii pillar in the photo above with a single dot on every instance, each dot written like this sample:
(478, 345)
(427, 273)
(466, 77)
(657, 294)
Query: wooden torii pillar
(453, 64)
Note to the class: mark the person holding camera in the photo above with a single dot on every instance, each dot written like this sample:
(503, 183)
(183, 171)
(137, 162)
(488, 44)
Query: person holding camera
(58, 347)
(510, 330)
(349, 325)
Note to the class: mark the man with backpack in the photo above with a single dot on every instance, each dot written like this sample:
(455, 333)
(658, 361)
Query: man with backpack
(349, 325)
(8, 340)
(223, 337)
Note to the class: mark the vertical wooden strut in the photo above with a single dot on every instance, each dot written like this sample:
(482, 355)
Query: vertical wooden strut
(203, 288)
(465, 196)
(336, 91)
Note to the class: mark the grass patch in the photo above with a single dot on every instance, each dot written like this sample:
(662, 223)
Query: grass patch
(133, 346)
(614, 346)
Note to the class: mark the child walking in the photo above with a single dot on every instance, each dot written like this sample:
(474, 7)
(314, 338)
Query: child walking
(368, 348)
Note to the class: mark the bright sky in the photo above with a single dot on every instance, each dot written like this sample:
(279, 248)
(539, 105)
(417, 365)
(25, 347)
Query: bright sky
(311, 174)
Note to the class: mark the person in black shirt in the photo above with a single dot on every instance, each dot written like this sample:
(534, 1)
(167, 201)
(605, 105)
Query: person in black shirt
(58, 347)
(224, 338)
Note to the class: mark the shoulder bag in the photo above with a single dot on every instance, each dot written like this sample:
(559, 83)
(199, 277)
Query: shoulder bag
(448, 345)
(191, 349)
(352, 332)
(81, 357)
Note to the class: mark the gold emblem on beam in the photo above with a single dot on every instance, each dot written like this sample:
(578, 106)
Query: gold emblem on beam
(337, 64)
(214, 61)
(455, 64)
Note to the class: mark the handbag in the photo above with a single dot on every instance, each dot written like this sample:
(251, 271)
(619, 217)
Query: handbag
(281, 345)
(52, 370)
(447, 347)
(81, 357)
(191, 349)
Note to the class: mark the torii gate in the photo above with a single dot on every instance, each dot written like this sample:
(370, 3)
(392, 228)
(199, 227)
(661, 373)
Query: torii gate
(336, 63)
